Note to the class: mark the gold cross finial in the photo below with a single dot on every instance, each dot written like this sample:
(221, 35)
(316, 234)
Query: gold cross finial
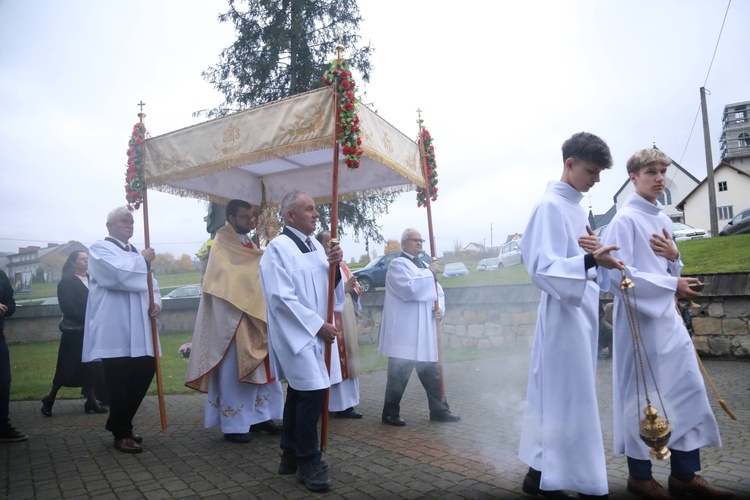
(141, 115)
(340, 47)
(419, 118)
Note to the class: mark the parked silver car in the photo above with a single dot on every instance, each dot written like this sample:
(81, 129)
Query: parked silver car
(510, 254)
(455, 269)
(487, 265)
(185, 292)
(684, 232)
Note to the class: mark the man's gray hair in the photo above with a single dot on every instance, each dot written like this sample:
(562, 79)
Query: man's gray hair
(114, 213)
(407, 233)
(289, 203)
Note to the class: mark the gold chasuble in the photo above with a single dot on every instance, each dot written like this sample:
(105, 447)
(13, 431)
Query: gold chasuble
(231, 307)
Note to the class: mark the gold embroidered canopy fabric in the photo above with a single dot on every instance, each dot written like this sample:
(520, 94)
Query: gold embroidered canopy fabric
(277, 148)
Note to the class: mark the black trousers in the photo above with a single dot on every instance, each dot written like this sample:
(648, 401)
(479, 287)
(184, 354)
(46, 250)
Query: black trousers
(399, 371)
(127, 381)
(299, 433)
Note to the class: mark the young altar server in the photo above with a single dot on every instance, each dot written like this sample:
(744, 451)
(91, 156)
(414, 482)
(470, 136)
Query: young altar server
(561, 439)
(294, 273)
(644, 234)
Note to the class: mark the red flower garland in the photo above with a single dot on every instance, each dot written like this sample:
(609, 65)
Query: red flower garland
(348, 120)
(429, 154)
(134, 174)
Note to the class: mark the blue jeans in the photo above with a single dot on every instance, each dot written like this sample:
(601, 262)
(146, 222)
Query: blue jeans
(682, 462)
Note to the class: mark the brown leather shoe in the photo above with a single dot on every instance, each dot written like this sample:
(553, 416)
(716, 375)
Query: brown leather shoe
(137, 438)
(698, 487)
(647, 488)
(127, 445)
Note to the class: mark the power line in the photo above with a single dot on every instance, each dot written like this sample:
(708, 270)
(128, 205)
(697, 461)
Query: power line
(716, 48)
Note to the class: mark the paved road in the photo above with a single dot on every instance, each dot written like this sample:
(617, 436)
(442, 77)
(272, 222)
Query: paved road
(71, 456)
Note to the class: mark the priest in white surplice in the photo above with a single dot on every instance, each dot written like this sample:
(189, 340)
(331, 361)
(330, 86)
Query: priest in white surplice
(408, 331)
(561, 439)
(644, 234)
(229, 356)
(294, 273)
(117, 329)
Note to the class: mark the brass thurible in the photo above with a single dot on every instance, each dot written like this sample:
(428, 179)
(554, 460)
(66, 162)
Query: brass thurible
(652, 429)
(655, 432)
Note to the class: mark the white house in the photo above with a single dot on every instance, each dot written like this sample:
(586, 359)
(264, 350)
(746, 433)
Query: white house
(474, 247)
(732, 187)
(24, 265)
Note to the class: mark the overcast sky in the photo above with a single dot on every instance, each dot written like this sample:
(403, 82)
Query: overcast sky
(501, 84)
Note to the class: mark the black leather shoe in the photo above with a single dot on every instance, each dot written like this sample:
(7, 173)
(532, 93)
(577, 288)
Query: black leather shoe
(395, 421)
(127, 445)
(47, 406)
(348, 413)
(94, 407)
(287, 466)
(267, 426)
(444, 416)
(239, 438)
(531, 486)
(314, 476)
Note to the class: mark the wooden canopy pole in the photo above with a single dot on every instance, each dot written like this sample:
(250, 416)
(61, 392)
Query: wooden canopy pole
(433, 257)
(154, 331)
(334, 241)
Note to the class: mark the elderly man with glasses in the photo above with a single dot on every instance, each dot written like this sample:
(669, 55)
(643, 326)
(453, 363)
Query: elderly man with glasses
(408, 330)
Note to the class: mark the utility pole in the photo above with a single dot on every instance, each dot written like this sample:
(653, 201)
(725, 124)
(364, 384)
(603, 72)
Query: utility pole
(709, 168)
(491, 234)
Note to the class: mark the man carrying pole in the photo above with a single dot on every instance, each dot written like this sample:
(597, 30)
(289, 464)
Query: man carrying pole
(294, 273)
(117, 328)
(408, 331)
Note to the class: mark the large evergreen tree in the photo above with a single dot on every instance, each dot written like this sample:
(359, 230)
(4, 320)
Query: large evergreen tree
(283, 48)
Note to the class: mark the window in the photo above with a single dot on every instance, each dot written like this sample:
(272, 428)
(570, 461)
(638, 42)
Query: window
(744, 140)
(722, 185)
(666, 197)
(725, 212)
(740, 114)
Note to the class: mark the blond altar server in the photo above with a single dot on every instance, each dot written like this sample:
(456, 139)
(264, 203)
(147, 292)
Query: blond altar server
(229, 354)
(117, 329)
(563, 258)
(294, 273)
(644, 234)
(344, 396)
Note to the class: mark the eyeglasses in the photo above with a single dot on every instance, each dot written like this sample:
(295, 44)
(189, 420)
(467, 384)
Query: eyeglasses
(415, 240)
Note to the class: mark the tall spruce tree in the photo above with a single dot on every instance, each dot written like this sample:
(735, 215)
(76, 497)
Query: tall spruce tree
(283, 48)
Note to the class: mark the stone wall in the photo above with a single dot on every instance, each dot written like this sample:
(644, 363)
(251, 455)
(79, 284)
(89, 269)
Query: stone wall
(722, 326)
(476, 317)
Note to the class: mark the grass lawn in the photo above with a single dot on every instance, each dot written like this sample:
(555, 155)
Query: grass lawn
(725, 254)
(33, 366)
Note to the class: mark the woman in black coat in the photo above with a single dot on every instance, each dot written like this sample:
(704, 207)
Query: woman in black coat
(72, 294)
